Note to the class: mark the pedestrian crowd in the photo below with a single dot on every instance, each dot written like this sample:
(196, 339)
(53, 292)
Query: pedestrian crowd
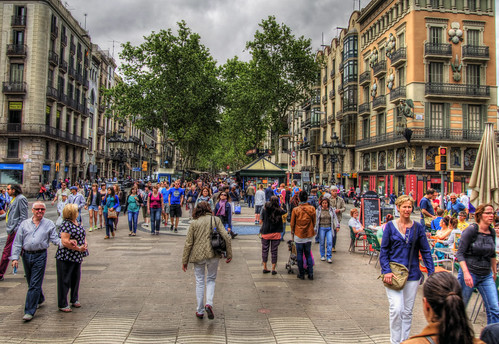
(406, 247)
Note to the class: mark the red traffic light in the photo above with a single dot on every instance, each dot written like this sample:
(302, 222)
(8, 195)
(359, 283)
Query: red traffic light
(443, 150)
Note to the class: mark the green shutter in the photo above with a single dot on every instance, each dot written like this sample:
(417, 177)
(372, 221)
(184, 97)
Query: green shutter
(446, 115)
(465, 117)
(483, 116)
(427, 115)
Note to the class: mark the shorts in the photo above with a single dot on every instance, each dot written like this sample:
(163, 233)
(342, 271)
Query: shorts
(258, 209)
(93, 207)
(166, 208)
(175, 210)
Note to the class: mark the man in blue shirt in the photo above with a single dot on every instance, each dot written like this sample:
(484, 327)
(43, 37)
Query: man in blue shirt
(165, 191)
(454, 206)
(426, 207)
(175, 200)
(268, 192)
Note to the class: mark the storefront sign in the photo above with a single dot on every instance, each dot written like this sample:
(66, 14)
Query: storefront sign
(11, 167)
(46, 167)
(15, 105)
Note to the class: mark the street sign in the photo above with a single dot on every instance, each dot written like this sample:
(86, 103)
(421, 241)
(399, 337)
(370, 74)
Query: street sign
(293, 154)
(293, 163)
(305, 176)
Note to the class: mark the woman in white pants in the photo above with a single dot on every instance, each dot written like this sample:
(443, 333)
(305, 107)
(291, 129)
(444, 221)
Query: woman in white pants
(400, 237)
(198, 250)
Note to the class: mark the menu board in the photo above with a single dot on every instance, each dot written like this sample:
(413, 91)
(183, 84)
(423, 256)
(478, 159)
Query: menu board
(370, 209)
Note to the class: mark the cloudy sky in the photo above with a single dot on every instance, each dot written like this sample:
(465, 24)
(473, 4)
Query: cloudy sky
(224, 25)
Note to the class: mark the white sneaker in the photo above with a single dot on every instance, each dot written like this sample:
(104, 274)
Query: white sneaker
(329, 260)
(323, 258)
(146, 225)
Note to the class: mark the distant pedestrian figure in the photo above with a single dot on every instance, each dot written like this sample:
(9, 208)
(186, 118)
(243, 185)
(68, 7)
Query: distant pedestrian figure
(271, 232)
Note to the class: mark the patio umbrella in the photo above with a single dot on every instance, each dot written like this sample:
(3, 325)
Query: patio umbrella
(484, 181)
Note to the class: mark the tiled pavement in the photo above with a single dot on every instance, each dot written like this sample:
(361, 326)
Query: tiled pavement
(134, 291)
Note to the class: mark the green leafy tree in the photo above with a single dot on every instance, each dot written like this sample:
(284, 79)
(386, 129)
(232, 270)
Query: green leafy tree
(171, 82)
(285, 69)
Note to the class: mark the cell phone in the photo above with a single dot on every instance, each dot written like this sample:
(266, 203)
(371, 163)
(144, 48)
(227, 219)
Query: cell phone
(14, 272)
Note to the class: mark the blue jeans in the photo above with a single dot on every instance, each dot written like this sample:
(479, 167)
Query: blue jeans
(155, 219)
(326, 233)
(487, 288)
(251, 201)
(300, 250)
(109, 225)
(133, 217)
(34, 269)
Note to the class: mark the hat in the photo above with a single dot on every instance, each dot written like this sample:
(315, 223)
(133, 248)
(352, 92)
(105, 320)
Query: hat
(73, 188)
(64, 195)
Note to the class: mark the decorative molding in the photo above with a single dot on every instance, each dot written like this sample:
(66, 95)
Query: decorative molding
(439, 21)
(474, 23)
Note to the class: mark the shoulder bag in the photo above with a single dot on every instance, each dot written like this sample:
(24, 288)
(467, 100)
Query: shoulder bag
(217, 241)
(400, 271)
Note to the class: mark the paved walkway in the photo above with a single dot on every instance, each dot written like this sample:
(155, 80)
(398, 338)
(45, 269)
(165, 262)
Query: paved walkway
(134, 291)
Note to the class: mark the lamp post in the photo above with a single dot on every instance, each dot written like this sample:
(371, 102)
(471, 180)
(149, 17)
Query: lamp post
(152, 150)
(335, 151)
(119, 151)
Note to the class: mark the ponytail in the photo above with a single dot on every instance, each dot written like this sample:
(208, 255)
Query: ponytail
(443, 293)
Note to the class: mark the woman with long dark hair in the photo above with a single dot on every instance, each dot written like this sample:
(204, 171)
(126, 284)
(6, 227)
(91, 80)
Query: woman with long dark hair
(445, 313)
(110, 202)
(477, 256)
(198, 250)
(224, 211)
(271, 230)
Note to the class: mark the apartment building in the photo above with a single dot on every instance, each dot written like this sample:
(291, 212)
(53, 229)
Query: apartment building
(428, 66)
(45, 56)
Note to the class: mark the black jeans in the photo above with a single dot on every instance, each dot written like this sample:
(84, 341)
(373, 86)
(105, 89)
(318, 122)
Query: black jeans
(68, 277)
(34, 269)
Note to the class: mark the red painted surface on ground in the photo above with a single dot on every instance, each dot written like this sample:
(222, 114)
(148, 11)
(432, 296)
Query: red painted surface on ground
(243, 219)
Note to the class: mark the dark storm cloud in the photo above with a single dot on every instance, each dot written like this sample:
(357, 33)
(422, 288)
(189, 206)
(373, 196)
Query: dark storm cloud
(224, 25)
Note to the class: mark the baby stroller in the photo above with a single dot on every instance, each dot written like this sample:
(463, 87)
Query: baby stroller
(293, 258)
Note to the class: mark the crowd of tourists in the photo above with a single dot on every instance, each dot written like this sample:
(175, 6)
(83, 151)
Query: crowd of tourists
(314, 216)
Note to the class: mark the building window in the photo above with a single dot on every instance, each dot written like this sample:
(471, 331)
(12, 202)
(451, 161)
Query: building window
(18, 37)
(473, 74)
(434, 3)
(48, 112)
(381, 124)
(435, 35)
(58, 120)
(382, 90)
(473, 37)
(436, 72)
(366, 127)
(401, 76)
(68, 122)
(436, 115)
(15, 112)
(401, 40)
(47, 150)
(472, 5)
(350, 47)
(13, 148)
(474, 117)
(16, 72)
(67, 154)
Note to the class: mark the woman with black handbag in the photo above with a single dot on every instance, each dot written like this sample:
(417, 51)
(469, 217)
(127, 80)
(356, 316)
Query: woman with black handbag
(198, 249)
(403, 241)
(271, 232)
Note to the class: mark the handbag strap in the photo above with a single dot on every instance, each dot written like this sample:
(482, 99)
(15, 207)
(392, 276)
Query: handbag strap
(428, 338)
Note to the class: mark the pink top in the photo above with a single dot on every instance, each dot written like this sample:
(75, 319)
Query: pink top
(155, 201)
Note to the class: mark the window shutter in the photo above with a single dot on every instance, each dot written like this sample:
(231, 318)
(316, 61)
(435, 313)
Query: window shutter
(427, 114)
(465, 117)
(483, 116)
(446, 115)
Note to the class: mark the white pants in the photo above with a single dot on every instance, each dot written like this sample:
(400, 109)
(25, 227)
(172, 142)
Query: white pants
(401, 305)
(200, 271)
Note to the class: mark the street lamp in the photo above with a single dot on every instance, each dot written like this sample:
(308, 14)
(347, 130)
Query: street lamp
(119, 151)
(335, 150)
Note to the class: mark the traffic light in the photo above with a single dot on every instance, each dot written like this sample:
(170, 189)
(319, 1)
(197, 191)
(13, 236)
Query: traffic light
(57, 167)
(437, 163)
(442, 152)
(144, 165)
(452, 176)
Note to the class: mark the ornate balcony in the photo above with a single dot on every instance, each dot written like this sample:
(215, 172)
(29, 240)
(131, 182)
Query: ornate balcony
(424, 134)
(332, 73)
(399, 57)
(349, 108)
(72, 48)
(64, 40)
(54, 31)
(364, 108)
(457, 90)
(324, 122)
(53, 58)
(324, 79)
(16, 50)
(438, 50)
(339, 115)
(18, 21)
(52, 93)
(473, 52)
(63, 66)
(379, 68)
(397, 93)
(100, 131)
(365, 78)
(324, 99)
(331, 119)
(332, 94)
(72, 72)
(379, 102)
(14, 87)
(28, 129)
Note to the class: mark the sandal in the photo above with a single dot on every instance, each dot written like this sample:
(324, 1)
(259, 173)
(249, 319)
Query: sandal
(77, 304)
(66, 309)
(106, 237)
(133, 234)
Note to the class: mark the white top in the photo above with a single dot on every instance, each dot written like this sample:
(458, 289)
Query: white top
(260, 197)
(354, 223)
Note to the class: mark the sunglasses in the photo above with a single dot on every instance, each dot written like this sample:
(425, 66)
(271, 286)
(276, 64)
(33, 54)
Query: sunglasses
(223, 194)
(39, 209)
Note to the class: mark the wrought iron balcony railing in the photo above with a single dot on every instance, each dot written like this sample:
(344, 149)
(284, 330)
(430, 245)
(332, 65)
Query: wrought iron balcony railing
(438, 49)
(455, 90)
